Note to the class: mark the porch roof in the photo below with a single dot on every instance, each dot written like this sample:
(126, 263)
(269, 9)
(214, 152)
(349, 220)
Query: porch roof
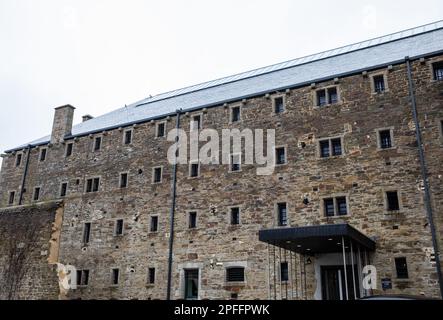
(317, 239)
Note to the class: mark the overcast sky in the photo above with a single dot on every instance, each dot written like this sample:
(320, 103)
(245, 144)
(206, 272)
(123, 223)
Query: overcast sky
(101, 54)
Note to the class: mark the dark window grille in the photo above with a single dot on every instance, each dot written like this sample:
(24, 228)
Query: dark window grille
(379, 84)
(194, 169)
(124, 180)
(36, 194)
(18, 160)
(332, 95)
(43, 155)
(154, 224)
(97, 143)
(236, 274)
(336, 147)
(235, 216)
(401, 267)
(128, 137)
(235, 114)
(284, 271)
(86, 232)
(192, 220)
(151, 275)
(160, 130)
(64, 190)
(321, 98)
(11, 197)
(157, 175)
(385, 139)
(342, 208)
(82, 277)
(438, 71)
(115, 276)
(280, 155)
(119, 227)
(69, 149)
(324, 149)
(329, 207)
(282, 214)
(279, 105)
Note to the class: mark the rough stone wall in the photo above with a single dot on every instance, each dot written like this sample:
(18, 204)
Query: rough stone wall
(363, 173)
(30, 229)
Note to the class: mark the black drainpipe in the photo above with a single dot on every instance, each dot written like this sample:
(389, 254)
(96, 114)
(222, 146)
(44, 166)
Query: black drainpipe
(172, 212)
(25, 173)
(425, 177)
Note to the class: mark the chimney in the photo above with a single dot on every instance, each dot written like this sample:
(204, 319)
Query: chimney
(62, 126)
(87, 117)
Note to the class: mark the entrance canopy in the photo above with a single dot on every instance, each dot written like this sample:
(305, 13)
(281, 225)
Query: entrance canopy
(317, 239)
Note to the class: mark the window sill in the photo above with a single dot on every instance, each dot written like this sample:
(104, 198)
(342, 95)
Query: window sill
(235, 284)
(150, 285)
(386, 149)
(328, 105)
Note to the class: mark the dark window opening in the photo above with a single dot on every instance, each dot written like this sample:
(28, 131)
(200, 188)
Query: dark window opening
(69, 149)
(194, 170)
(336, 147)
(92, 185)
(236, 274)
(115, 276)
(282, 214)
(128, 137)
(157, 175)
(36, 194)
(379, 84)
(438, 71)
(11, 197)
(191, 284)
(393, 203)
(154, 224)
(119, 227)
(385, 139)
(235, 216)
(192, 220)
(18, 160)
(235, 163)
(329, 207)
(342, 208)
(324, 149)
(151, 275)
(64, 190)
(97, 143)
(161, 130)
(280, 154)
(279, 105)
(43, 155)
(321, 98)
(401, 267)
(284, 271)
(332, 95)
(86, 232)
(82, 277)
(235, 114)
(124, 180)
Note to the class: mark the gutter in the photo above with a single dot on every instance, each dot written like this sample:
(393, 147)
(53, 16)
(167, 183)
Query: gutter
(172, 212)
(25, 173)
(425, 177)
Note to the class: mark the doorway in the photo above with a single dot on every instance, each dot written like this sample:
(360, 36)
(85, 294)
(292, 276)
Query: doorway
(191, 284)
(333, 283)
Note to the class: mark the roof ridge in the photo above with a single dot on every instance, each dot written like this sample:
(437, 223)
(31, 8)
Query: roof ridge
(296, 61)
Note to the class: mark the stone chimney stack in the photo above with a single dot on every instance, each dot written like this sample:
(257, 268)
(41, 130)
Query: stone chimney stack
(63, 118)
(87, 117)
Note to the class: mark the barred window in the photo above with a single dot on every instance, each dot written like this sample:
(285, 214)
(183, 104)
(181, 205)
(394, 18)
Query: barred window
(235, 274)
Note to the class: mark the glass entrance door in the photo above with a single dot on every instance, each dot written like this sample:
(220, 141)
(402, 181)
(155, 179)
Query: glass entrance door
(333, 283)
(191, 284)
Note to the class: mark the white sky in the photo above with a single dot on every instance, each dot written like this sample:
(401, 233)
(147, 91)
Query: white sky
(101, 54)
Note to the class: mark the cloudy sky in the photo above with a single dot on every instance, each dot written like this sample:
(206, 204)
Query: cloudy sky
(101, 54)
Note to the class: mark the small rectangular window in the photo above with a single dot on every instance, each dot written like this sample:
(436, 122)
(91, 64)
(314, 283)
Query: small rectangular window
(329, 207)
(119, 227)
(86, 232)
(385, 139)
(438, 71)
(282, 214)
(401, 267)
(279, 105)
(128, 137)
(332, 95)
(342, 207)
(18, 160)
(115, 275)
(284, 271)
(321, 98)
(235, 274)
(161, 131)
(336, 147)
(235, 114)
(324, 149)
(235, 163)
(379, 84)
(11, 197)
(92, 185)
(157, 175)
(196, 122)
(64, 189)
(151, 276)
(192, 220)
(123, 180)
(194, 170)
(235, 216)
(392, 199)
(36, 194)
(69, 149)
(43, 154)
(154, 224)
(82, 277)
(330, 147)
(280, 155)
(97, 143)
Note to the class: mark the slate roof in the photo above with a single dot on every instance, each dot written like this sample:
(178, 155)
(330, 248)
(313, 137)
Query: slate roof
(390, 49)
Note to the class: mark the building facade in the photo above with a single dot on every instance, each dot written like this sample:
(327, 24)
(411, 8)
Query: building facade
(348, 189)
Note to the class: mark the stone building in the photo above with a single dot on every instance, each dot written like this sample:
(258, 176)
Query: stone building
(349, 187)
